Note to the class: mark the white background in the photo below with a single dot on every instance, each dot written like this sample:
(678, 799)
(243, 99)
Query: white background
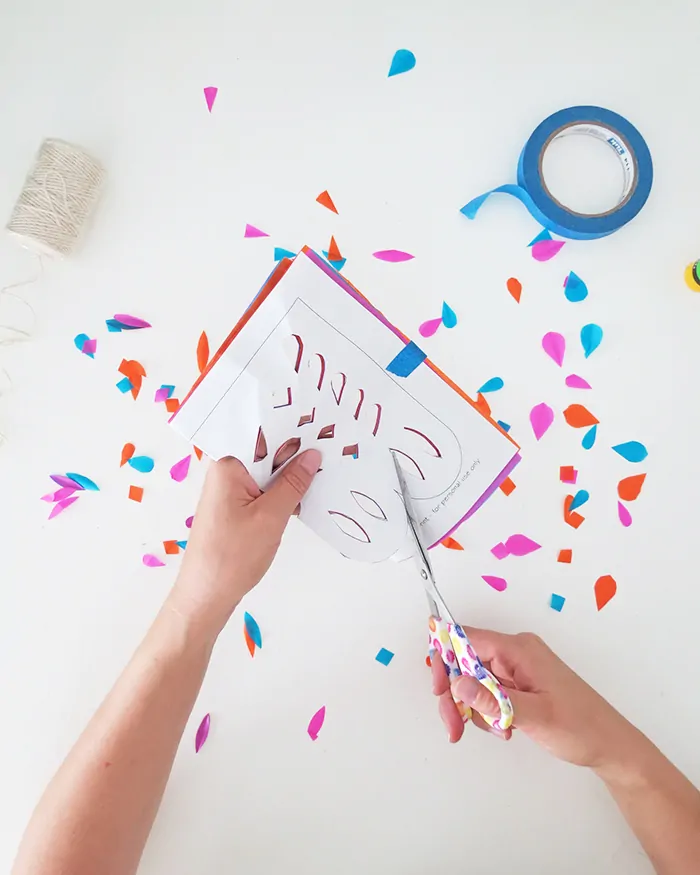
(304, 104)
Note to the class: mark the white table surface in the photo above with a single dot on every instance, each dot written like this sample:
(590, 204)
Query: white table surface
(304, 105)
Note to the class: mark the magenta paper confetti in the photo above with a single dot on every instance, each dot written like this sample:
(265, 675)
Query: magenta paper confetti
(427, 329)
(554, 345)
(60, 506)
(521, 545)
(62, 480)
(180, 469)
(541, 417)
(252, 231)
(573, 381)
(624, 514)
(90, 346)
(543, 250)
(151, 561)
(392, 255)
(210, 96)
(202, 733)
(59, 494)
(500, 551)
(189, 521)
(497, 583)
(316, 723)
(132, 321)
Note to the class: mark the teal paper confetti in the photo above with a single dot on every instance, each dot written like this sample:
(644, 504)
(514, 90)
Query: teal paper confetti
(144, 464)
(449, 317)
(253, 629)
(633, 451)
(407, 360)
(589, 438)
(181, 544)
(591, 336)
(557, 602)
(384, 656)
(504, 425)
(403, 61)
(338, 265)
(83, 481)
(492, 385)
(543, 235)
(576, 290)
(283, 253)
(125, 385)
(580, 498)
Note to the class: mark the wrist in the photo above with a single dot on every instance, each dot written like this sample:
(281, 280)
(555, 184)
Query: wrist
(631, 764)
(200, 621)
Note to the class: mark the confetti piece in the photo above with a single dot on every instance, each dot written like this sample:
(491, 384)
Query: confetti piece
(515, 288)
(406, 361)
(427, 329)
(250, 644)
(504, 426)
(605, 588)
(338, 265)
(565, 556)
(125, 385)
(81, 341)
(202, 352)
(624, 515)
(181, 544)
(500, 551)
(171, 548)
(449, 317)
(521, 545)
(589, 438)
(543, 235)
(326, 201)
(384, 656)
(544, 250)
(64, 480)
(568, 474)
(482, 405)
(573, 381)
(132, 322)
(252, 231)
(162, 394)
(135, 372)
(591, 336)
(554, 345)
(210, 93)
(403, 61)
(492, 385)
(507, 486)
(541, 417)
(556, 601)
(497, 583)
(451, 544)
(633, 451)
(629, 488)
(189, 521)
(90, 347)
(113, 326)
(253, 629)
(151, 561)
(393, 255)
(572, 518)
(172, 404)
(281, 253)
(333, 251)
(574, 288)
(579, 416)
(180, 469)
(203, 729)
(59, 494)
(198, 453)
(316, 723)
(128, 451)
(82, 481)
(580, 499)
(136, 493)
(144, 464)
(60, 506)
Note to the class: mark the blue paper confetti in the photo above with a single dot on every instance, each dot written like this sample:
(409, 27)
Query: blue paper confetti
(253, 629)
(403, 61)
(384, 656)
(589, 438)
(181, 544)
(492, 385)
(125, 385)
(576, 290)
(543, 235)
(580, 498)
(114, 326)
(591, 336)
(144, 464)
(504, 425)
(633, 451)
(79, 340)
(283, 253)
(83, 481)
(449, 317)
(338, 265)
(170, 389)
(407, 360)
(556, 602)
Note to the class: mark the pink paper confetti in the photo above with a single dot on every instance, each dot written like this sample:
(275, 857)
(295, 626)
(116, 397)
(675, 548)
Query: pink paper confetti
(162, 394)
(427, 329)
(624, 514)
(498, 583)
(554, 345)
(133, 321)
(392, 255)
(573, 381)
(62, 480)
(151, 561)
(210, 96)
(316, 723)
(90, 346)
(252, 231)
(521, 545)
(180, 469)
(59, 494)
(60, 506)
(543, 250)
(500, 551)
(541, 417)
(202, 733)
(189, 521)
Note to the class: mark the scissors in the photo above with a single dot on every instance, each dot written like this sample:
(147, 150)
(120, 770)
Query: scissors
(446, 637)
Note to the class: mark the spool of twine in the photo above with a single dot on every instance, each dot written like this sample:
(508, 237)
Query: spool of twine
(57, 199)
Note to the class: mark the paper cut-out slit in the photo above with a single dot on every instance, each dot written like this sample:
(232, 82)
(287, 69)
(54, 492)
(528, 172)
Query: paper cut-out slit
(410, 458)
(288, 401)
(360, 403)
(260, 447)
(425, 438)
(307, 418)
(328, 431)
(345, 529)
(284, 453)
(342, 388)
(323, 371)
(368, 505)
(352, 450)
(376, 421)
(300, 352)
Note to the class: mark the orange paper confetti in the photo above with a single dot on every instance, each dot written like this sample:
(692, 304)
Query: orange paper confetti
(572, 518)
(507, 486)
(629, 488)
(249, 641)
(135, 372)
(171, 404)
(567, 474)
(333, 251)
(579, 416)
(482, 405)
(171, 547)
(136, 493)
(605, 588)
(565, 556)
(515, 288)
(202, 352)
(326, 201)
(198, 453)
(451, 544)
(128, 451)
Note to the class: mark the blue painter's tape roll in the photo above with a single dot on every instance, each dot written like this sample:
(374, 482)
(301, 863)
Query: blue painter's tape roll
(532, 191)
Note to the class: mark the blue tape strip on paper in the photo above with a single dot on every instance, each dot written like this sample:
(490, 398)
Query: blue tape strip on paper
(406, 361)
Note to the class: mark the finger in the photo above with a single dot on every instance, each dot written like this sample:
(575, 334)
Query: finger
(451, 717)
(479, 722)
(502, 651)
(441, 682)
(468, 690)
(291, 484)
(231, 475)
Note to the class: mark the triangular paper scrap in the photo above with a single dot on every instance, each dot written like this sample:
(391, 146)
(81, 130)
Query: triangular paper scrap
(210, 96)
(327, 201)
(333, 251)
(252, 231)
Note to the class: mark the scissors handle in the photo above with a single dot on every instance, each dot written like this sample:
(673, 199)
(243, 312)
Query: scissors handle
(452, 643)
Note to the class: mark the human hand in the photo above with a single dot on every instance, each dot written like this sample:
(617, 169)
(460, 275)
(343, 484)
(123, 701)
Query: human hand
(235, 535)
(551, 703)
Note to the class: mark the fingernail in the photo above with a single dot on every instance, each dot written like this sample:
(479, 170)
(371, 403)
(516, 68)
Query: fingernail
(310, 461)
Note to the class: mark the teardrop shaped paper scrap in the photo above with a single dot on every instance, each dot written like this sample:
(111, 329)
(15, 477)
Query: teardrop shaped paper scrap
(580, 498)
(151, 561)
(210, 96)
(451, 544)
(633, 451)
(82, 481)
(605, 588)
(591, 336)
(554, 345)
(579, 416)
(316, 723)
(393, 255)
(64, 480)
(180, 469)
(403, 61)
(521, 545)
(202, 352)
(574, 288)
(515, 288)
(624, 515)
(252, 231)
(541, 417)
(544, 250)
(253, 629)
(144, 464)
(573, 381)
(449, 317)
(497, 583)
(131, 321)
(427, 329)
(492, 385)
(629, 488)
(202, 733)
(589, 438)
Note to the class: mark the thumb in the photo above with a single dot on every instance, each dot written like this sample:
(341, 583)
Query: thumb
(291, 484)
